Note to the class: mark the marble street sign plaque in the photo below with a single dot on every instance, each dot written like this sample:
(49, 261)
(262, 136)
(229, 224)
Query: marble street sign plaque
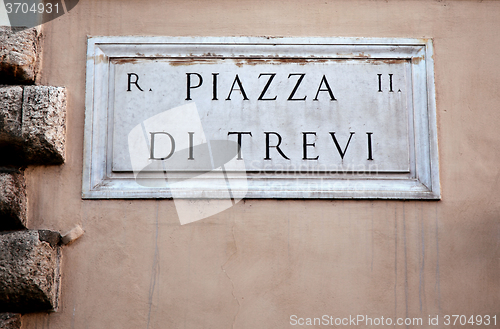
(260, 118)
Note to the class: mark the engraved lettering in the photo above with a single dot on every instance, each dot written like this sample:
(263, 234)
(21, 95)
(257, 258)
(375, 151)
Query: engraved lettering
(239, 133)
(237, 80)
(130, 82)
(271, 77)
(189, 86)
(277, 146)
(342, 153)
(152, 151)
(290, 98)
(328, 89)
(305, 145)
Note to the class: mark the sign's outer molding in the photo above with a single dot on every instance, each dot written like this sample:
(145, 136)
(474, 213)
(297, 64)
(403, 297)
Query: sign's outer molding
(100, 181)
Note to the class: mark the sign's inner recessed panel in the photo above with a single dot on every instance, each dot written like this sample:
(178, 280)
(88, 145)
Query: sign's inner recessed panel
(287, 115)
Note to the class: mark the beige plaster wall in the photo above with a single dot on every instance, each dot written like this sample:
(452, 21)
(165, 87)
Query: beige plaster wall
(256, 264)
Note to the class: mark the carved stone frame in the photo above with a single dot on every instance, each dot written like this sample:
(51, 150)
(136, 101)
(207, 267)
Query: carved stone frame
(99, 182)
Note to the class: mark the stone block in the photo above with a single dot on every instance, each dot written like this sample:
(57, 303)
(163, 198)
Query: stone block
(13, 204)
(19, 60)
(29, 271)
(11, 101)
(32, 125)
(10, 320)
(44, 124)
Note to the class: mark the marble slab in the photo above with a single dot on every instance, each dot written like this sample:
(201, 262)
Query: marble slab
(260, 118)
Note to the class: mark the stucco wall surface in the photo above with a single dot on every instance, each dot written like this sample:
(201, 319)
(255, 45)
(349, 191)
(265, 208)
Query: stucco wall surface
(261, 261)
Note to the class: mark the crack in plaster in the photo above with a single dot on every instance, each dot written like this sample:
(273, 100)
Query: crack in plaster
(230, 280)
(155, 270)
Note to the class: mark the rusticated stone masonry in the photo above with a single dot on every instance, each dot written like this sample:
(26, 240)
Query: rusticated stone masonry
(32, 132)
(12, 200)
(10, 320)
(19, 55)
(29, 271)
(32, 125)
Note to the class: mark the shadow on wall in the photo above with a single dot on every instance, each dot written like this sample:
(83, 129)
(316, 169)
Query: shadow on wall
(31, 13)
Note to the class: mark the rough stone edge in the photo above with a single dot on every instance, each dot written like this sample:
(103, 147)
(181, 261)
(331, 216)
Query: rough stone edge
(40, 138)
(42, 300)
(11, 102)
(44, 135)
(13, 73)
(13, 200)
(10, 320)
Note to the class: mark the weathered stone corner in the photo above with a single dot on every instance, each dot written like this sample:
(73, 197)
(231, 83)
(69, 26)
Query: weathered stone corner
(19, 60)
(32, 125)
(10, 320)
(11, 100)
(13, 204)
(29, 271)
(44, 124)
